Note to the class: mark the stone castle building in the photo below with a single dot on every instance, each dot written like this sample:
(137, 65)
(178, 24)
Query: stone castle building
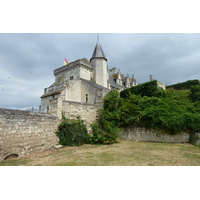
(82, 84)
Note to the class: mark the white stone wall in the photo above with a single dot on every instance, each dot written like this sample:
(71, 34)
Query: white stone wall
(161, 85)
(100, 72)
(147, 135)
(45, 102)
(73, 90)
(86, 73)
(72, 72)
(87, 112)
(89, 92)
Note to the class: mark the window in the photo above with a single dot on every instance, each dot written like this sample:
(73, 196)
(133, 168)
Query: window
(86, 98)
(71, 77)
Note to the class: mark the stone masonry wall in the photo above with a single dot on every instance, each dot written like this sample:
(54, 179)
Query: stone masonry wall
(87, 112)
(147, 135)
(25, 132)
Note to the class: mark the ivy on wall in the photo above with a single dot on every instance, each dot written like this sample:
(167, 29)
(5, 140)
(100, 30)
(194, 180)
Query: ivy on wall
(172, 110)
(149, 89)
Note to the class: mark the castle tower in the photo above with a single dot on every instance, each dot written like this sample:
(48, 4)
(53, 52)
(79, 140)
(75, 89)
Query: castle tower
(99, 64)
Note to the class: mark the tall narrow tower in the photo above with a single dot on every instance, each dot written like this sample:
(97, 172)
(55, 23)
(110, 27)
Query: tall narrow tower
(99, 64)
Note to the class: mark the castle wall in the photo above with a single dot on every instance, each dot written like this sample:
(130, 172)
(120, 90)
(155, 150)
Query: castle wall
(25, 132)
(73, 90)
(147, 135)
(86, 73)
(87, 112)
(88, 93)
(45, 103)
(72, 72)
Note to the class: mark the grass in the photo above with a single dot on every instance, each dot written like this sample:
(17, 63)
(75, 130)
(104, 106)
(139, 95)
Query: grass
(125, 153)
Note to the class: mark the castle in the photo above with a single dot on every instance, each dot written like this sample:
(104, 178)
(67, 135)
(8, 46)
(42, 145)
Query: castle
(78, 90)
(80, 86)
(82, 83)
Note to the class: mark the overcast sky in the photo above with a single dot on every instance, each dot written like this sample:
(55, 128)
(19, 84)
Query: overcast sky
(27, 60)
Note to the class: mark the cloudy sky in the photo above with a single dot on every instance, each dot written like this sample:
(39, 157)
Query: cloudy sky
(27, 60)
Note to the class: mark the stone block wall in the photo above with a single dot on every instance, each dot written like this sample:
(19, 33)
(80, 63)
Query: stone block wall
(25, 132)
(147, 135)
(87, 112)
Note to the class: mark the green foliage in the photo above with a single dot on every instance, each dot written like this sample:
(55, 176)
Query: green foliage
(100, 136)
(185, 85)
(174, 111)
(72, 132)
(195, 93)
(195, 140)
(149, 89)
(105, 131)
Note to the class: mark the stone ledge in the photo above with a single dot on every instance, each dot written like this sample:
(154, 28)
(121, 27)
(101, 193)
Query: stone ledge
(5, 111)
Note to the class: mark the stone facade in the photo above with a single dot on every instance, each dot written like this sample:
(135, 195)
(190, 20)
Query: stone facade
(148, 135)
(83, 82)
(25, 132)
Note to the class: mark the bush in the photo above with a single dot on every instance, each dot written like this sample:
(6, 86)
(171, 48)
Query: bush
(72, 132)
(173, 112)
(195, 93)
(100, 136)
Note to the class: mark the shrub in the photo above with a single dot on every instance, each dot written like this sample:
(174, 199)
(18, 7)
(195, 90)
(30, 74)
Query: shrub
(173, 112)
(195, 93)
(72, 132)
(100, 136)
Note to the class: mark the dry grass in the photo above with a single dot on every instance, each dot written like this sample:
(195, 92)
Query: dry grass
(125, 153)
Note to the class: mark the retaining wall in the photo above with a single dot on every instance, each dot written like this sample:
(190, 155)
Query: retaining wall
(147, 135)
(25, 132)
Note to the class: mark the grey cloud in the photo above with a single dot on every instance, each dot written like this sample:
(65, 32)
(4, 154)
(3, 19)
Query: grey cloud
(29, 59)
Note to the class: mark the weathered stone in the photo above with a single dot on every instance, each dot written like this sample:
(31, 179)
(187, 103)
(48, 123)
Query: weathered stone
(148, 135)
(25, 132)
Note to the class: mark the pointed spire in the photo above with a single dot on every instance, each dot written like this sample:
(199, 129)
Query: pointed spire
(98, 52)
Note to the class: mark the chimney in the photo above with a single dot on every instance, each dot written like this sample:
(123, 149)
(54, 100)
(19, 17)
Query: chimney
(151, 78)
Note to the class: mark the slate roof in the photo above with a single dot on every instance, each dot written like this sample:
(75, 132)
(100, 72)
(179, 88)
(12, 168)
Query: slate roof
(93, 84)
(98, 52)
(52, 93)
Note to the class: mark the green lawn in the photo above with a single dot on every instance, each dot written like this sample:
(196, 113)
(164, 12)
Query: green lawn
(125, 153)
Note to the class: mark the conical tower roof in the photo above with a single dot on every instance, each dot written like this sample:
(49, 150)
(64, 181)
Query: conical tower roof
(98, 52)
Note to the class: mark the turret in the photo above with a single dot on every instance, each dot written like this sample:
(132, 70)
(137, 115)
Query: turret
(99, 64)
